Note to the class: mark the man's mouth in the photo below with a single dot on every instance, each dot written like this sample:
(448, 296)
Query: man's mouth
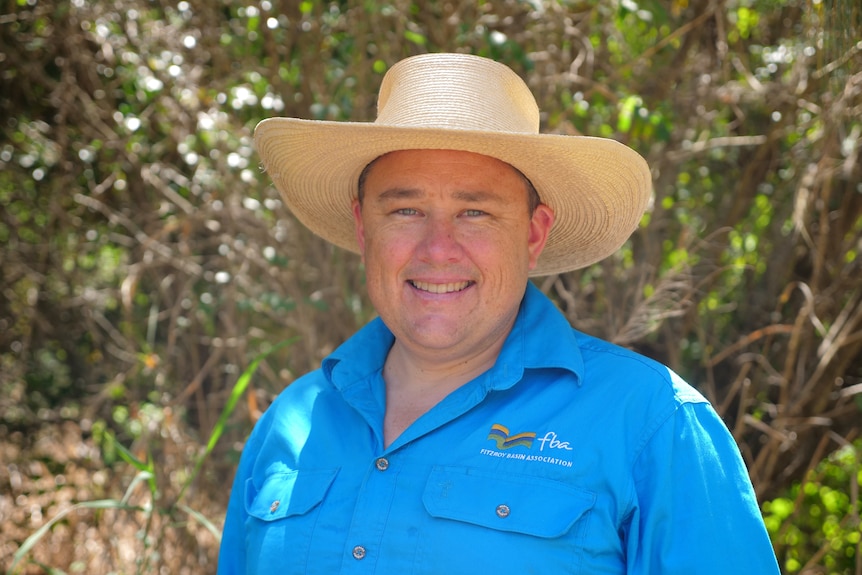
(440, 288)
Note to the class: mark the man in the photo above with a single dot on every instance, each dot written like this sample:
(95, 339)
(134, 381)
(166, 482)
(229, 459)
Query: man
(469, 429)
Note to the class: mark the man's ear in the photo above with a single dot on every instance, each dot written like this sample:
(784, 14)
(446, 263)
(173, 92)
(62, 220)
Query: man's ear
(359, 229)
(540, 226)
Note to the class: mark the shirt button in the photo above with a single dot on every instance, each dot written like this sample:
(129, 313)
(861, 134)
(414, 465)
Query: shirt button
(502, 511)
(274, 506)
(359, 552)
(382, 464)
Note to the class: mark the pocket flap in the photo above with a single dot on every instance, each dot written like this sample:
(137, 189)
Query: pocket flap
(517, 503)
(288, 493)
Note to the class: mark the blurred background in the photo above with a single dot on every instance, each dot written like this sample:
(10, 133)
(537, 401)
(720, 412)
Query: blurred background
(155, 295)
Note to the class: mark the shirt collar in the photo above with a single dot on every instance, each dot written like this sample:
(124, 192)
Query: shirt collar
(541, 338)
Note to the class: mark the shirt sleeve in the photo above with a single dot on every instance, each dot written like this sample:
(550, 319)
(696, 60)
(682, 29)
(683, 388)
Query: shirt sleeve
(695, 511)
(232, 551)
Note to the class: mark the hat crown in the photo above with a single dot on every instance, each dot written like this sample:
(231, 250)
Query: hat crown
(456, 91)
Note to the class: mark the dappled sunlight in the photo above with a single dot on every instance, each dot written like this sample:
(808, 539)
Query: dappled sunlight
(146, 261)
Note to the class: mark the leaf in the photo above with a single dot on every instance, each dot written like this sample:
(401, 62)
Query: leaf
(128, 456)
(415, 37)
(236, 393)
(31, 541)
(200, 518)
(141, 476)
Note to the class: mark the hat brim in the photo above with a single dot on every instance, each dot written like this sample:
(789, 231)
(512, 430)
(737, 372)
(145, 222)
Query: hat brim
(597, 187)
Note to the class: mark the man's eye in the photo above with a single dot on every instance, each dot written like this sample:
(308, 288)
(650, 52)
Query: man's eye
(406, 211)
(474, 213)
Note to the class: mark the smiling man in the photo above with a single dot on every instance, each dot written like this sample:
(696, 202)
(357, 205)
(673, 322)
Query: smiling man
(443, 233)
(470, 429)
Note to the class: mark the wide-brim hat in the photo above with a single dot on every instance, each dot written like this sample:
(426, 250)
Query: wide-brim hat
(597, 187)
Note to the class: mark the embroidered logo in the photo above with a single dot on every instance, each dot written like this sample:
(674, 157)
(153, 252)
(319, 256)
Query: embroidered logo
(550, 450)
(500, 435)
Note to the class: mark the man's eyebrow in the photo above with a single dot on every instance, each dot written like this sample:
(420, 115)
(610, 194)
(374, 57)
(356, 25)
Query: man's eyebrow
(398, 194)
(476, 196)
(470, 196)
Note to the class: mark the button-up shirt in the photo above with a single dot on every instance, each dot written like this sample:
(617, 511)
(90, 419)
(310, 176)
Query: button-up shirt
(570, 455)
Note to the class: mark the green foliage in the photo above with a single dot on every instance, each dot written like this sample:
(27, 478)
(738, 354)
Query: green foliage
(817, 521)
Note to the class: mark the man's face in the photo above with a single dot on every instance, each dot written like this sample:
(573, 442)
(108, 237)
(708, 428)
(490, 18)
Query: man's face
(448, 243)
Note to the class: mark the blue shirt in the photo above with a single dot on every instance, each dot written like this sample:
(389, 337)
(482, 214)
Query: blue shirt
(570, 455)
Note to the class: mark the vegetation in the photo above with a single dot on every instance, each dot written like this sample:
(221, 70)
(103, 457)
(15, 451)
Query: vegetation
(148, 267)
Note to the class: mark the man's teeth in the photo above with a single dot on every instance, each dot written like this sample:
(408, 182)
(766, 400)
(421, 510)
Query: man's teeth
(440, 288)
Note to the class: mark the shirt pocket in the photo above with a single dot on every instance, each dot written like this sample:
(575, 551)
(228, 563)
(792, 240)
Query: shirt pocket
(282, 519)
(287, 494)
(502, 523)
(506, 502)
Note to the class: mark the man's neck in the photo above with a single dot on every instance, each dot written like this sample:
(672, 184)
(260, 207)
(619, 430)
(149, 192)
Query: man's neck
(416, 383)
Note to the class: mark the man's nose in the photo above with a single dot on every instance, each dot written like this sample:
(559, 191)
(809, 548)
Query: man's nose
(439, 241)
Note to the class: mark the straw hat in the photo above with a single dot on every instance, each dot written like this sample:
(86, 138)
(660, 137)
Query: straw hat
(598, 188)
